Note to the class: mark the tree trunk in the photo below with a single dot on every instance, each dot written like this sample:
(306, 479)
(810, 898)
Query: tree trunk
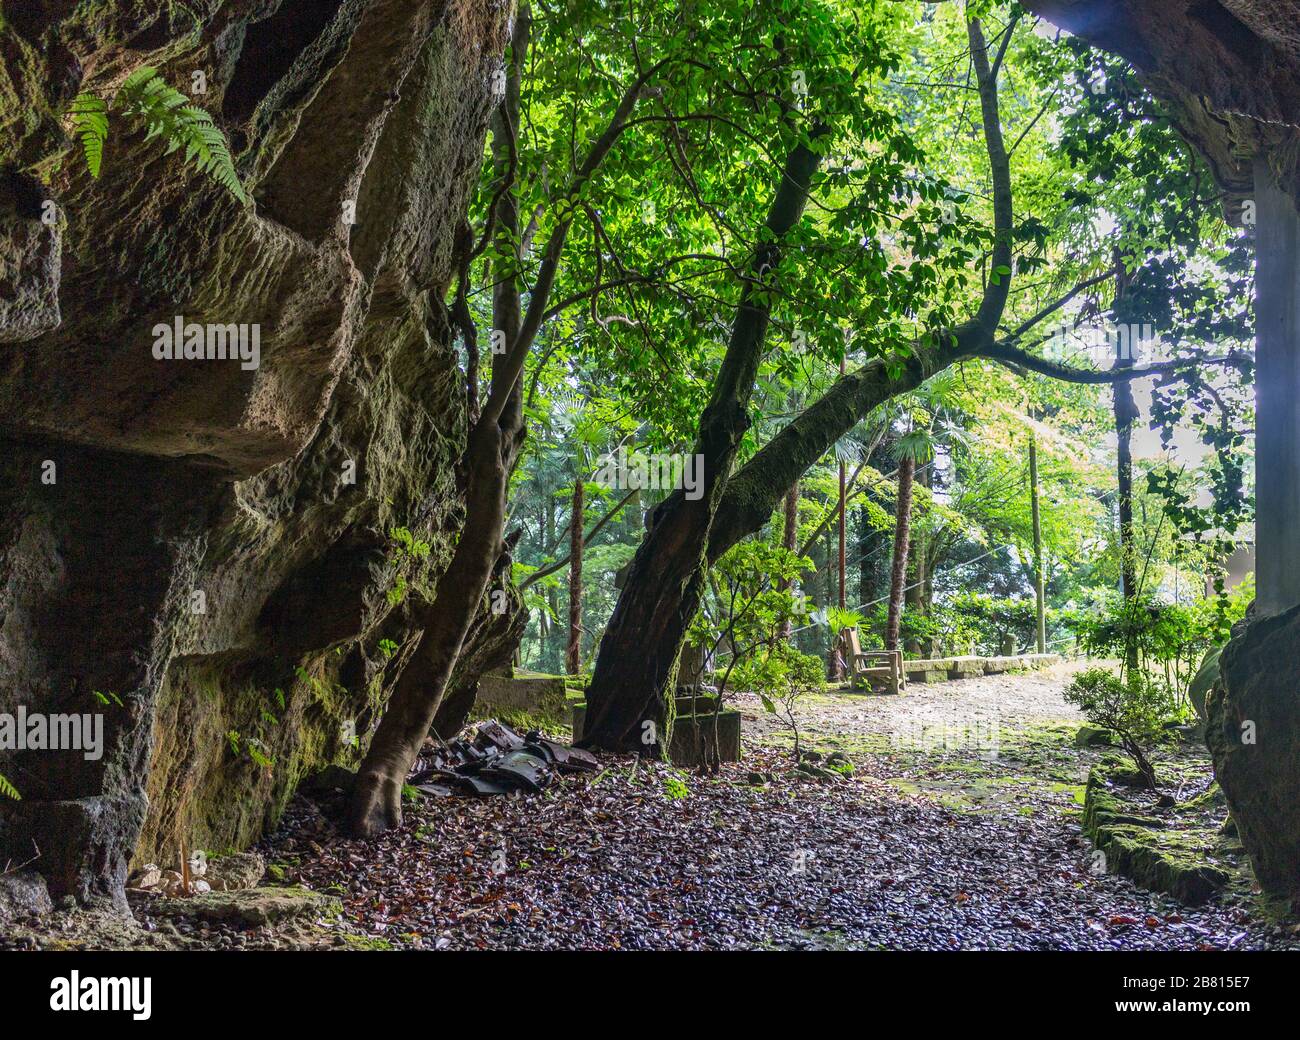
(573, 656)
(1040, 606)
(637, 660)
(789, 541)
(490, 455)
(898, 574)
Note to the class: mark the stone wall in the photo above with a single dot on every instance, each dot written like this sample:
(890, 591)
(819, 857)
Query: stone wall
(207, 548)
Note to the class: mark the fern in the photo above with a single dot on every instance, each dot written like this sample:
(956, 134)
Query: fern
(167, 114)
(9, 790)
(90, 124)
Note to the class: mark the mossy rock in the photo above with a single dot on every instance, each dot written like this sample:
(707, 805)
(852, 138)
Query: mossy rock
(1146, 849)
(1094, 736)
(252, 907)
(1206, 676)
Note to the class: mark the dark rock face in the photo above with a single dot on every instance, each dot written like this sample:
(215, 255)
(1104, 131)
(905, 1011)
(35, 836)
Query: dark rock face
(1253, 731)
(199, 551)
(23, 894)
(1229, 68)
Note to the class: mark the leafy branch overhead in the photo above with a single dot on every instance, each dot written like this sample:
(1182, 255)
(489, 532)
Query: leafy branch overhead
(166, 113)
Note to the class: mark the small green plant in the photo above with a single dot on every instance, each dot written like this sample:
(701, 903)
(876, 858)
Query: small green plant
(9, 790)
(107, 698)
(407, 552)
(1137, 710)
(166, 113)
(781, 677)
(675, 786)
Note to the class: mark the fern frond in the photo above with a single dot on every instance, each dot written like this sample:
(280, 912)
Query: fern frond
(167, 113)
(9, 790)
(90, 123)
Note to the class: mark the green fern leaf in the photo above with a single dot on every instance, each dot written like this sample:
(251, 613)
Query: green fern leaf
(167, 113)
(90, 124)
(9, 790)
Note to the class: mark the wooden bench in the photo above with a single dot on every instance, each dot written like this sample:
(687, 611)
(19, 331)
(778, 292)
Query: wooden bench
(862, 668)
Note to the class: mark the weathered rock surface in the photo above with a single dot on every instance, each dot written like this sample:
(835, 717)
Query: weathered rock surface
(1230, 69)
(250, 907)
(201, 552)
(1253, 732)
(23, 894)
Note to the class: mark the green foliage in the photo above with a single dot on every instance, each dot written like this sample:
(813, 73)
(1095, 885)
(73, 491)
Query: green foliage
(675, 786)
(1166, 640)
(991, 619)
(90, 124)
(165, 113)
(781, 676)
(1139, 712)
(750, 603)
(8, 790)
(405, 557)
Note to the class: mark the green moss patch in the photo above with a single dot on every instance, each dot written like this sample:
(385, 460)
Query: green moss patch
(1177, 849)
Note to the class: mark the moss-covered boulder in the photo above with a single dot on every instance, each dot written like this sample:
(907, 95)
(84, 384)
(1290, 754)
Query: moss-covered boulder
(1180, 856)
(250, 907)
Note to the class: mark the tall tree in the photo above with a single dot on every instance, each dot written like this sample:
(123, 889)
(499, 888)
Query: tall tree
(898, 571)
(573, 654)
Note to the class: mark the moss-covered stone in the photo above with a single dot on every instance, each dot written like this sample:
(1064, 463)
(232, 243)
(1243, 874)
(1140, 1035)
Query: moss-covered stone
(253, 907)
(1180, 858)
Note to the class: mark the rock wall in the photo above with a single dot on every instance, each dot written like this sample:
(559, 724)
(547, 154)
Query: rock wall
(201, 551)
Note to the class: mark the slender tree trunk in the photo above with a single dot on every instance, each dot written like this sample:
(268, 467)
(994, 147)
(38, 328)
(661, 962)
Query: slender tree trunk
(491, 450)
(898, 575)
(377, 796)
(573, 657)
(1040, 604)
(789, 541)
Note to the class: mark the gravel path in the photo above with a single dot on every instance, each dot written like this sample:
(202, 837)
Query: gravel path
(907, 855)
(959, 830)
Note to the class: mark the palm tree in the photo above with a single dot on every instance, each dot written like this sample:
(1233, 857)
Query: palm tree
(922, 417)
(914, 446)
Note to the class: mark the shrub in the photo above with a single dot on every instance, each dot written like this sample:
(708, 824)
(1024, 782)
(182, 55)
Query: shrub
(780, 678)
(1137, 710)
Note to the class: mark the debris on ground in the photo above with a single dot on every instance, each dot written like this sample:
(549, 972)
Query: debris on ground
(496, 760)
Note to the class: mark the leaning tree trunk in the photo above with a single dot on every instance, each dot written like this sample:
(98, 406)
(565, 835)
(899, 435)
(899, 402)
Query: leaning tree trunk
(898, 573)
(637, 661)
(376, 803)
(489, 459)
